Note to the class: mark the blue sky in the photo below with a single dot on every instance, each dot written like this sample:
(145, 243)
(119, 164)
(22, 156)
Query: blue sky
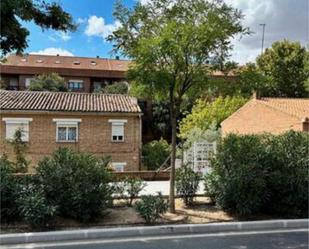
(285, 19)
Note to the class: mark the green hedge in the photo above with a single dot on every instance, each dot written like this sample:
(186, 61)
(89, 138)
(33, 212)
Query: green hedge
(261, 174)
(67, 184)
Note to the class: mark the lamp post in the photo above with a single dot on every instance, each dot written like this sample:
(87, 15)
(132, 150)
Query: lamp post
(263, 26)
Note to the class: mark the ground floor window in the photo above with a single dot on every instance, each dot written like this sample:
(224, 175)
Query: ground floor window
(119, 167)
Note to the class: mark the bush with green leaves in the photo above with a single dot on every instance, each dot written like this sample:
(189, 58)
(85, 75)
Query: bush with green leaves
(48, 82)
(19, 147)
(116, 88)
(34, 207)
(155, 153)
(150, 207)
(78, 183)
(187, 184)
(132, 186)
(9, 189)
(261, 174)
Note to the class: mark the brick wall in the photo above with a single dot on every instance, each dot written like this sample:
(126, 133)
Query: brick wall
(94, 134)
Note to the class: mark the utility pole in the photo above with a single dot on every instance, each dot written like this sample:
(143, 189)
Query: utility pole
(263, 25)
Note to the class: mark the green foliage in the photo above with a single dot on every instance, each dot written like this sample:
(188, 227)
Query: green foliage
(205, 113)
(48, 82)
(34, 208)
(150, 207)
(76, 182)
(155, 153)
(8, 190)
(116, 88)
(250, 79)
(284, 65)
(131, 187)
(187, 184)
(271, 178)
(20, 147)
(13, 13)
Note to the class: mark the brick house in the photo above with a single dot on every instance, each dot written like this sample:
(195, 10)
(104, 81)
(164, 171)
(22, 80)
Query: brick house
(270, 115)
(100, 124)
(82, 74)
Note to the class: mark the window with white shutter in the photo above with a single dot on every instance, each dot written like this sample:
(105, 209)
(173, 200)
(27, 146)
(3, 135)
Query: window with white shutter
(13, 124)
(119, 167)
(117, 131)
(67, 130)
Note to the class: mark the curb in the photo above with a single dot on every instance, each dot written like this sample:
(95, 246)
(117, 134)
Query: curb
(108, 233)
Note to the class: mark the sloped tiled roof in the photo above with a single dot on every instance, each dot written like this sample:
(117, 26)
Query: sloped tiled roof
(67, 102)
(295, 107)
(67, 62)
(274, 115)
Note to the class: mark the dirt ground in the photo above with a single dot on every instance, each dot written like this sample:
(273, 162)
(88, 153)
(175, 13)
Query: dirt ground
(120, 215)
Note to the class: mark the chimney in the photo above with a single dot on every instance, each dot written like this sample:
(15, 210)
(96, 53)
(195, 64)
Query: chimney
(256, 95)
(305, 124)
(98, 57)
(57, 54)
(117, 57)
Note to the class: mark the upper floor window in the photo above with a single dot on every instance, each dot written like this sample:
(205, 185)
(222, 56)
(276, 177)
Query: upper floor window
(13, 124)
(13, 84)
(117, 134)
(67, 130)
(28, 82)
(76, 85)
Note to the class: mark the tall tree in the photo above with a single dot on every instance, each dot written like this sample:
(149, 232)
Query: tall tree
(46, 15)
(171, 42)
(284, 67)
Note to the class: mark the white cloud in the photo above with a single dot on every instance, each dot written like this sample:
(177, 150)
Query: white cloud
(96, 27)
(284, 19)
(63, 35)
(53, 51)
(81, 20)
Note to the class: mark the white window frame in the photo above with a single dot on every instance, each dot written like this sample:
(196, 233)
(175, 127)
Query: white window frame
(67, 123)
(119, 165)
(117, 122)
(18, 121)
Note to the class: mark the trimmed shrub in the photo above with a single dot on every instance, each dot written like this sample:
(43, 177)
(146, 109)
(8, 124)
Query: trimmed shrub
(34, 208)
(261, 174)
(132, 187)
(9, 189)
(76, 182)
(187, 184)
(150, 207)
(155, 153)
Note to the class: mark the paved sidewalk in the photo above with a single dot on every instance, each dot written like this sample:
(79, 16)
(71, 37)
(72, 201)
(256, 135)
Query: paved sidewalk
(163, 186)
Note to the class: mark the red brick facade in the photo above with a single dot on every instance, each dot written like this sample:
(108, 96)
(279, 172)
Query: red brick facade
(94, 136)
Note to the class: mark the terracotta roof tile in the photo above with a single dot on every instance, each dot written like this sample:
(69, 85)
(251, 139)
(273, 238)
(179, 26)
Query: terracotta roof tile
(67, 102)
(295, 107)
(274, 115)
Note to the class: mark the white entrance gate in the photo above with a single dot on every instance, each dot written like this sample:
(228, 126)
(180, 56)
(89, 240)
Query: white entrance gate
(198, 156)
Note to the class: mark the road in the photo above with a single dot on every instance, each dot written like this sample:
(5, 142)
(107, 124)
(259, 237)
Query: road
(275, 239)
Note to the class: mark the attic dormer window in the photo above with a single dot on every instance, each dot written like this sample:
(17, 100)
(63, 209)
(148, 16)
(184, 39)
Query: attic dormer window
(76, 63)
(39, 61)
(57, 62)
(23, 59)
(93, 63)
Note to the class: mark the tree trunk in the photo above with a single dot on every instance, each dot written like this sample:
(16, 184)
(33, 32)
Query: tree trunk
(173, 158)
